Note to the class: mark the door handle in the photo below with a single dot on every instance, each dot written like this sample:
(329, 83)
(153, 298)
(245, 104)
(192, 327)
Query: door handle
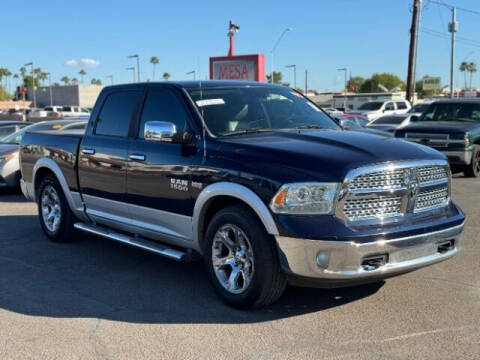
(88, 151)
(137, 157)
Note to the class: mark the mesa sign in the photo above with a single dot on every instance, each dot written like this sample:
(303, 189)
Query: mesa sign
(242, 67)
(431, 83)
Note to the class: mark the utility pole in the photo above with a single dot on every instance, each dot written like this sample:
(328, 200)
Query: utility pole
(452, 28)
(50, 87)
(412, 55)
(306, 82)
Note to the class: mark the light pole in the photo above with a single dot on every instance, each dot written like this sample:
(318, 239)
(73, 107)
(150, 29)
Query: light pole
(345, 91)
(452, 28)
(192, 72)
(50, 87)
(273, 50)
(111, 78)
(133, 71)
(33, 85)
(138, 65)
(294, 74)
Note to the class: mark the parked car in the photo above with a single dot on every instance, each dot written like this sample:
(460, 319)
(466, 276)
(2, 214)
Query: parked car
(9, 147)
(253, 177)
(452, 127)
(374, 109)
(68, 111)
(348, 123)
(37, 113)
(8, 127)
(391, 123)
(332, 111)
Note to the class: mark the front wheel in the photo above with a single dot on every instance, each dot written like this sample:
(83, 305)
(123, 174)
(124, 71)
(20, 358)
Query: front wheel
(473, 170)
(242, 259)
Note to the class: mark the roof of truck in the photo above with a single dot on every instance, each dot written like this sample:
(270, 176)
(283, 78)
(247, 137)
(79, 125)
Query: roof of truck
(192, 84)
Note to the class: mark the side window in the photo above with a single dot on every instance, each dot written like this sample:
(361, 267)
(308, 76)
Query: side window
(389, 106)
(163, 105)
(117, 112)
(401, 105)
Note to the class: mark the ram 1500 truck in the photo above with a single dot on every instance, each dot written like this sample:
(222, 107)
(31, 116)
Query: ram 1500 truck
(452, 127)
(254, 178)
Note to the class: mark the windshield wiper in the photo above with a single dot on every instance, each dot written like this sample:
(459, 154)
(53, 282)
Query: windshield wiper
(247, 131)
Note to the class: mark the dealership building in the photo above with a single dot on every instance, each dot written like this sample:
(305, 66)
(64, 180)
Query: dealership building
(76, 95)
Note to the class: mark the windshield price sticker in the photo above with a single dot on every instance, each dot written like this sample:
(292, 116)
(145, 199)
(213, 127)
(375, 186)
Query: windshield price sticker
(208, 102)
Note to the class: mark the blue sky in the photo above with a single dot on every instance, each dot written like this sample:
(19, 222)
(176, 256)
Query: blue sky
(365, 36)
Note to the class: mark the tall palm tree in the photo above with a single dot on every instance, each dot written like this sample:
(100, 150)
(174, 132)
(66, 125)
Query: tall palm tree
(154, 61)
(166, 76)
(74, 81)
(82, 73)
(472, 68)
(65, 80)
(8, 73)
(464, 68)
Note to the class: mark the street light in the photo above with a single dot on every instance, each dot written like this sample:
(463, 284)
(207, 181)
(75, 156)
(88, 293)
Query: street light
(133, 71)
(273, 50)
(345, 93)
(33, 85)
(138, 65)
(50, 87)
(111, 78)
(294, 74)
(192, 72)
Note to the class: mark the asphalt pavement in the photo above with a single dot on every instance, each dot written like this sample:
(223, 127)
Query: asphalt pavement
(96, 299)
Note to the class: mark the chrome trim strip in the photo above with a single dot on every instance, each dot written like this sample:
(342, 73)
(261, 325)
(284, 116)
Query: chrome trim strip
(343, 260)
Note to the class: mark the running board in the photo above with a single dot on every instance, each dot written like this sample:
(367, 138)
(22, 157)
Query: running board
(153, 247)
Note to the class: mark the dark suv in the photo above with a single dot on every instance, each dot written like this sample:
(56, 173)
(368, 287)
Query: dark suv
(452, 127)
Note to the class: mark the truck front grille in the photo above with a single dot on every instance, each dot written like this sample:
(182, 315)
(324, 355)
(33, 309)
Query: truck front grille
(391, 191)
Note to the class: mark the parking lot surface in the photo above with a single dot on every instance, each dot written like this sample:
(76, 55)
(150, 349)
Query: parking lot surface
(99, 299)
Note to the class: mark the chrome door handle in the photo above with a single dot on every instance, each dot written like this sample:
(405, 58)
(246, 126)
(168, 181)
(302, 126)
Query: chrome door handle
(88, 151)
(137, 157)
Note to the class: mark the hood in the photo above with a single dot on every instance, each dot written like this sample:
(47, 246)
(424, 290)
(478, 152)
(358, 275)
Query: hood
(315, 155)
(440, 127)
(8, 149)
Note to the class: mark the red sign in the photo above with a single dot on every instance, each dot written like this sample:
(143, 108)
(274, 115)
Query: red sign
(243, 67)
(24, 90)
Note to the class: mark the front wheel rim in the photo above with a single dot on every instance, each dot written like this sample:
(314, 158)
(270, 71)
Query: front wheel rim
(232, 259)
(50, 208)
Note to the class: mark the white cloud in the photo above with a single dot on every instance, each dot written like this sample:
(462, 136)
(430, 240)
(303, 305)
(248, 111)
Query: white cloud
(71, 63)
(91, 63)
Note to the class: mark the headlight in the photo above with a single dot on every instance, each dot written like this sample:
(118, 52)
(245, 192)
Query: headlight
(305, 199)
(7, 157)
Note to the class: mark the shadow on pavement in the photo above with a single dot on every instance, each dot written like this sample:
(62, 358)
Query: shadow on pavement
(98, 278)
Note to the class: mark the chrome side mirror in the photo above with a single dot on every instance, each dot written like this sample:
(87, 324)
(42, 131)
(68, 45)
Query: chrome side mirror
(159, 131)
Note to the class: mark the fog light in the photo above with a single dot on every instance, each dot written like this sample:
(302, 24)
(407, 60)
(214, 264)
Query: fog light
(323, 258)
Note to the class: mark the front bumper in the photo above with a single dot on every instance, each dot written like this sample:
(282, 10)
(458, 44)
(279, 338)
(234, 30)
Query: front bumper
(336, 263)
(459, 157)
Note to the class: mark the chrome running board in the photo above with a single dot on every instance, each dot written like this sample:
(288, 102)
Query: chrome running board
(147, 245)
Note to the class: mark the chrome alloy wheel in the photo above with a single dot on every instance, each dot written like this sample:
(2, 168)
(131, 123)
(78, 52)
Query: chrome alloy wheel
(51, 210)
(232, 258)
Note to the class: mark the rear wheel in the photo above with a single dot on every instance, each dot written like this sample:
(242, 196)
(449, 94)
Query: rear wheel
(56, 218)
(242, 259)
(473, 170)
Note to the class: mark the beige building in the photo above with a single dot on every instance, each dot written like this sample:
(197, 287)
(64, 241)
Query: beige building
(77, 95)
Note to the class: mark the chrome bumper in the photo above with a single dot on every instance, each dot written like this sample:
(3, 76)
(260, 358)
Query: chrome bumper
(459, 157)
(336, 260)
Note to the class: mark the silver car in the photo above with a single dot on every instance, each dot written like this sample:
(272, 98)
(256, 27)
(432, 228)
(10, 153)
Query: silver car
(9, 162)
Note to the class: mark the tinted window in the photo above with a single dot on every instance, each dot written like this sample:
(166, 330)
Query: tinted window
(452, 112)
(163, 105)
(374, 105)
(389, 106)
(401, 105)
(67, 108)
(419, 108)
(117, 112)
(48, 108)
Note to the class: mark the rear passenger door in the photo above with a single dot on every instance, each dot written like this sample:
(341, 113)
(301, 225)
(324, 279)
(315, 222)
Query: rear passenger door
(103, 156)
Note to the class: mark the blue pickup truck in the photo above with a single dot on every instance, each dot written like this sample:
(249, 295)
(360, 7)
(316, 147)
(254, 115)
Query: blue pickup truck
(253, 178)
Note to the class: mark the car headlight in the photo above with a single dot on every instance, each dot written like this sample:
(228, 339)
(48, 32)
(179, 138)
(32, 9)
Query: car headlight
(7, 157)
(305, 199)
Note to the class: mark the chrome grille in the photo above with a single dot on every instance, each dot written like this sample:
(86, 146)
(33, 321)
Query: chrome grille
(431, 199)
(393, 190)
(381, 207)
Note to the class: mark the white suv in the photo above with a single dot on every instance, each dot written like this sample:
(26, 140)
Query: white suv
(374, 109)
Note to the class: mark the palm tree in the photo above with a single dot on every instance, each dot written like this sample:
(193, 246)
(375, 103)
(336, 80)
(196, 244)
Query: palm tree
(166, 76)
(65, 80)
(464, 68)
(472, 68)
(7, 75)
(154, 61)
(74, 81)
(82, 73)
(3, 74)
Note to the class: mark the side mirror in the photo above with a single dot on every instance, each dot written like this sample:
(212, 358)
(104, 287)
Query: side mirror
(159, 131)
(414, 118)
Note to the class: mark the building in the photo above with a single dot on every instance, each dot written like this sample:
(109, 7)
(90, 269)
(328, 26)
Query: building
(77, 95)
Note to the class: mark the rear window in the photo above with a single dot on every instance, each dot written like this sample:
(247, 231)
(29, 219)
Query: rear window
(117, 112)
(390, 120)
(401, 105)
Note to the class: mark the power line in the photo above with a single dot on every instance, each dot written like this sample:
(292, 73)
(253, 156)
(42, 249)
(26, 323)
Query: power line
(458, 8)
(447, 36)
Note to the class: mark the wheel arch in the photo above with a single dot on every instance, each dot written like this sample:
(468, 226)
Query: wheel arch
(219, 195)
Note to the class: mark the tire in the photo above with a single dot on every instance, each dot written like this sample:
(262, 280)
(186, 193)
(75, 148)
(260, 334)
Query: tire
(52, 204)
(260, 280)
(473, 170)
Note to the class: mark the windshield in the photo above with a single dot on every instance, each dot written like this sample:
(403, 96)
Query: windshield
(230, 111)
(391, 120)
(452, 112)
(374, 105)
(419, 108)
